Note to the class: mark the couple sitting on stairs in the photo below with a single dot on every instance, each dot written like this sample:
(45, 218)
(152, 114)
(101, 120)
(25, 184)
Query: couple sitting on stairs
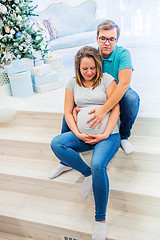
(101, 93)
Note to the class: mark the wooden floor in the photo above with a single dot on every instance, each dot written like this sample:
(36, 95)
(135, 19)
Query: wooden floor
(34, 207)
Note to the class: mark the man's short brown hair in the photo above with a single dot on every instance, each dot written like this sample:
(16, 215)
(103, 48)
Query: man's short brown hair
(107, 25)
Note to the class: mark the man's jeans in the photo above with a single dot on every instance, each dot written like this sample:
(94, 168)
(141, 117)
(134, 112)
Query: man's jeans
(129, 106)
(66, 147)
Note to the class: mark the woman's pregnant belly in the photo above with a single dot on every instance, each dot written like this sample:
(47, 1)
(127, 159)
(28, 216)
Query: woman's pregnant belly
(83, 117)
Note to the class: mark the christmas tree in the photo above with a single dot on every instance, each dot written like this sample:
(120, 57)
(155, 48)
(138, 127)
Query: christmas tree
(18, 39)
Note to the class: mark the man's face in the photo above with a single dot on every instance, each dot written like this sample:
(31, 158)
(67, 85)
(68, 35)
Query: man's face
(106, 48)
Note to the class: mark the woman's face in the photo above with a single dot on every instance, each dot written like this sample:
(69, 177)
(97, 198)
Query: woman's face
(88, 68)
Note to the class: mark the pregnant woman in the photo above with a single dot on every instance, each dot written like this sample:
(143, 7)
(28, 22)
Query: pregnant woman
(89, 89)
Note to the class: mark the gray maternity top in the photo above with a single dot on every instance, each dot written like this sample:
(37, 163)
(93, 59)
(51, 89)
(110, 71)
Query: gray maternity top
(87, 99)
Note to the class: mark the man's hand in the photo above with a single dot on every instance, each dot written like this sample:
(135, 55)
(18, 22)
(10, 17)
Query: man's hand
(75, 112)
(97, 118)
(93, 139)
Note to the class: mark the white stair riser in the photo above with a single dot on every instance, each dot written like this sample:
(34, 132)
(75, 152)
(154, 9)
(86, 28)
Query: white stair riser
(123, 201)
(142, 126)
(146, 127)
(26, 149)
(42, 120)
(136, 161)
(37, 231)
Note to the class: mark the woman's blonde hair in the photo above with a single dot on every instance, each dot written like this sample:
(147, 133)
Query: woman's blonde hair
(88, 52)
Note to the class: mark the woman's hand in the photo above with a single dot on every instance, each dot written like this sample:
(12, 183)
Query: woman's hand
(75, 112)
(84, 137)
(93, 139)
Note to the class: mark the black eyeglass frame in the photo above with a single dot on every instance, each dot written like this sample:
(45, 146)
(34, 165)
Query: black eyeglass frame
(110, 40)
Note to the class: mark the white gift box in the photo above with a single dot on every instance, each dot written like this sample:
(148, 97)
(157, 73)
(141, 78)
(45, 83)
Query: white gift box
(41, 70)
(55, 60)
(43, 88)
(47, 78)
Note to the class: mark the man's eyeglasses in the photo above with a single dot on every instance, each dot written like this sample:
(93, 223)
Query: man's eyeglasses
(104, 40)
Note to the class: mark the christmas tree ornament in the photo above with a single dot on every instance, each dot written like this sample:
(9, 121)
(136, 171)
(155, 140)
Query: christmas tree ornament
(3, 9)
(18, 35)
(12, 31)
(7, 29)
(19, 18)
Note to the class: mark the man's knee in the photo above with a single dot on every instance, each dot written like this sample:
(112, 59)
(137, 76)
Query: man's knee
(129, 104)
(131, 97)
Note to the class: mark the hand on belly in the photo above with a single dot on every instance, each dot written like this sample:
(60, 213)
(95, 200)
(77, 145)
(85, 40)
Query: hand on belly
(83, 117)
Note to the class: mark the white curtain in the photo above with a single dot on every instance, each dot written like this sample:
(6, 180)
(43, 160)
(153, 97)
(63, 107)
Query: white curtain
(139, 20)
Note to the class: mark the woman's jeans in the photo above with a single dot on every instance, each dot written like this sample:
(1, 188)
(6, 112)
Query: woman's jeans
(129, 106)
(66, 147)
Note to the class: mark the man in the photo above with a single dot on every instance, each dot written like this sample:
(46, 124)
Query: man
(116, 61)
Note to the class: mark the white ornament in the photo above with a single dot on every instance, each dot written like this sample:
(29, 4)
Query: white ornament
(19, 56)
(17, 9)
(3, 9)
(20, 48)
(42, 47)
(12, 31)
(38, 38)
(19, 18)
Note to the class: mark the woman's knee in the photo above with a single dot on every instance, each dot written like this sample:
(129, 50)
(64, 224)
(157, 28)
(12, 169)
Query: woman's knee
(56, 143)
(97, 169)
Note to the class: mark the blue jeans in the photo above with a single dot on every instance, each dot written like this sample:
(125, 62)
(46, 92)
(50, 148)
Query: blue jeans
(66, 147)
(129, 106)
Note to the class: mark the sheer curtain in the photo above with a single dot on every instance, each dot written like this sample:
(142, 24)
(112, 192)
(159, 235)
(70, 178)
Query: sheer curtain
(139, 20)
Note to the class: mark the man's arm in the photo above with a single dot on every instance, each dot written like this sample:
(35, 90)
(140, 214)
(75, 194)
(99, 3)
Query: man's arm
(124, 77)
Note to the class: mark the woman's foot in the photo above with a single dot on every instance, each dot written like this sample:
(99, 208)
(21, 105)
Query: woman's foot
(58, 170)
(100, 231)
(86, 186)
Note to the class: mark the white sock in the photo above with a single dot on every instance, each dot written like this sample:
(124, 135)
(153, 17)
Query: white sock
(127, 146)
(58, 170)
(86, 186)
(100, 231)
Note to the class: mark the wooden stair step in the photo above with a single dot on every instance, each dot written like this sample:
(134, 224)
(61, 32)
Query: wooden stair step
(140, 161)
(143, 144)
(36, 119)
(128, 189)
(143, 125)
(7, 236)
(44, 215)
(137, 161)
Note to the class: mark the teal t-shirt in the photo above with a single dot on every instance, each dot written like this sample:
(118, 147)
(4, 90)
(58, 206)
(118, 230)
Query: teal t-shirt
(119, 59)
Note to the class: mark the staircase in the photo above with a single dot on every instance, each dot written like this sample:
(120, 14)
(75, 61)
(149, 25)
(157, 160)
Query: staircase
(34, 207)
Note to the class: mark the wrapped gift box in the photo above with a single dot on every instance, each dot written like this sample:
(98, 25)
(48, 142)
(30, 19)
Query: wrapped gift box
(55, 60)
(47, 87)
(41, 70)
(21, 84)
(18, 66)
(47, 78)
